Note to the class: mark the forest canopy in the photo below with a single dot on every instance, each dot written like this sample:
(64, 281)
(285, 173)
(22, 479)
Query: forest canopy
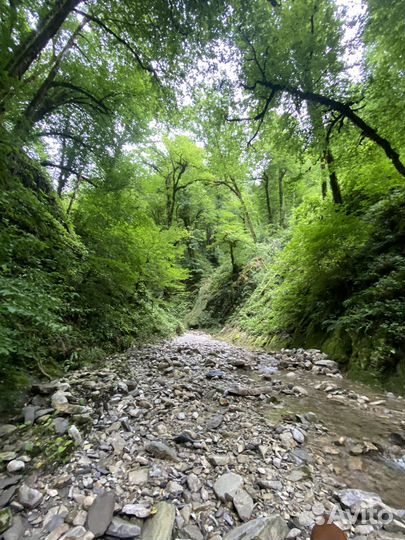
(204, 164)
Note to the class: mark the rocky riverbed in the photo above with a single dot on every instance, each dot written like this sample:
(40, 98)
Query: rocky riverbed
(196, 439)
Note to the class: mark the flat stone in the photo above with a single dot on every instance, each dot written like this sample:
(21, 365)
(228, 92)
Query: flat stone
(7, 429)
(226, 485)
(45, 388)
(120, 528)
(56, 533)
(78, 533)
(160, 525)
(43, 412)
(356, 498)
(262, 528)
(8, 456)
(395, 526)
(29, 497)
(298, 474)
(6, 481)
(138, 510)
(70, 409)
(138, 476)
(329, 364)
(101, 513)
(215, 421)
(161, 450)
(244, 504)
(192, 532)
(7, 495)
(16, 531)
(215, 374)
(219, 460)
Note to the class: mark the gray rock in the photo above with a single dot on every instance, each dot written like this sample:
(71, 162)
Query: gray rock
(226, 485)
(298, 474)
(298, 436)
(29, 414)
(293, 533)
(215, 373)
(160, 526)
(6, 495)
(70, 408)
(58, 531)
(215, 421)
(6, 481)
(192, 532)
(78, 533)
(101, 513)
(118, 443)
(61, 425)
(263, 528)
(138, 510)
(15, 466)
(47, 388)
(138, 476)
(356, 498)
(16, 531)
(7, 429)
(120, 528)
(161, 450)
(58, 398)
(8, 456)
(395, 526)
(311, 417)
(244, 504)
(193, 483)
(328, 364)
(29, 497)
(75, 434)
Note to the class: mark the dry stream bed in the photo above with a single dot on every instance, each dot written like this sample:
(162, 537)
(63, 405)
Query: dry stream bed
(197, 439)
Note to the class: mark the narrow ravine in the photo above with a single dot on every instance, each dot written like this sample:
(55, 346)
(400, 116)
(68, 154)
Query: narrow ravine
(195, 438)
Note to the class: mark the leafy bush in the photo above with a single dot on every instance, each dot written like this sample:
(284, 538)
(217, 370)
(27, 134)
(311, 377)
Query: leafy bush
(338, 284)
(67, 297)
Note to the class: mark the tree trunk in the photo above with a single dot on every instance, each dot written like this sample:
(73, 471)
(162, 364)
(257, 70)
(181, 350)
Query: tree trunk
(233, 262)
(74, 194)
(333, 180)
(28, 51)
(281, 175)
(324, 184)
(246, 215)
(28, 119)
(266, 179)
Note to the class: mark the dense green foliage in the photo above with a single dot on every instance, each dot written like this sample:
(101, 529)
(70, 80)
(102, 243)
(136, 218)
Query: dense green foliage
(204, 164)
